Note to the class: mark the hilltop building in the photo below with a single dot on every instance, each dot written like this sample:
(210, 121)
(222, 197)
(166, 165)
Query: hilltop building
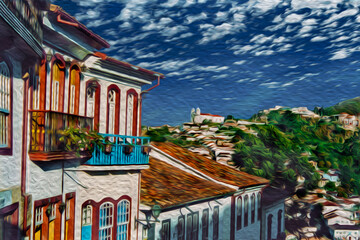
(197, 117)
(46, 191)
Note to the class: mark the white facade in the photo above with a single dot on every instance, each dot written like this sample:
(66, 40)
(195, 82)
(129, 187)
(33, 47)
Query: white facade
(270, 219)
(198, 117)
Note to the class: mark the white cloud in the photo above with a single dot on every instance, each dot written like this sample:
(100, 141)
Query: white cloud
(193, 18)
(342, 38)
(318, 39)
(240, 62)
(217, 32)
(294, 18)
(346, 13)
(309, 22)
(340, 54)
(261, 38)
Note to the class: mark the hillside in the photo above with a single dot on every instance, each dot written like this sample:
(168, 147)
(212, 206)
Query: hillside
(350, 106)
(293, 145)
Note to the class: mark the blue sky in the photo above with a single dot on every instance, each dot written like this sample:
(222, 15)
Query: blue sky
(232, 57)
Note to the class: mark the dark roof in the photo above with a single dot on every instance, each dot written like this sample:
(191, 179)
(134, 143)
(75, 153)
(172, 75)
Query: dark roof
(209, 167)
(170, 186)
(345, 227)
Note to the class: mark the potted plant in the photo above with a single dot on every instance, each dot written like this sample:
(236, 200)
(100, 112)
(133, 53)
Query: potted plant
(146, 149)
(80, 140)
(107, 146)
(128, 148)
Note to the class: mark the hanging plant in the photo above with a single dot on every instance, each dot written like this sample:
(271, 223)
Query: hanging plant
(79, 140)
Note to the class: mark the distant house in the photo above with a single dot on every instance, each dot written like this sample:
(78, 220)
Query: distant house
(198, 117)
(348, 232)
(199, 198)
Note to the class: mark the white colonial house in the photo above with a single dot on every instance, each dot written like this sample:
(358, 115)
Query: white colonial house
(347, 232)
(20, 54)
(199, 198)
(68, 194)
(197, 117)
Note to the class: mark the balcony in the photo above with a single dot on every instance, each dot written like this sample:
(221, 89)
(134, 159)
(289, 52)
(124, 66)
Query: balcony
(46, 127)
(123, 150)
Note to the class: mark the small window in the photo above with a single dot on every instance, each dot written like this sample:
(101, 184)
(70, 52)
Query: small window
(189, 225)
(68, 207)
(238, 213)
(195, 226)
(205, 224)
(86, 215)
(253, 208)
(53, 211)
(216, 223)
(39, 216)
(259, 206)
(181, 228)
(165, 230)
(246, 211)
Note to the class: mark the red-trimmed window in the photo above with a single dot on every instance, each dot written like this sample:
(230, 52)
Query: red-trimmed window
(5, 105)
(57, 86)
(113, 109)
(92, 102)
(74, 89)
(123, 216)
(106, 221)
(39, 88)
(131, 112)
(238, 213)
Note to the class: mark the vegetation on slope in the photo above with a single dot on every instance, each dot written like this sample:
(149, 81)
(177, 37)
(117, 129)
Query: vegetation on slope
(350, 106)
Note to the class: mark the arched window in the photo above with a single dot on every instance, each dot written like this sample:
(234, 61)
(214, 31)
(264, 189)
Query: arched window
(205, 224)
(106, 215)
(38, 88)
(216, 223)
(86, 215)
(246, 211)
(74, 89)
(181, 228)
(259, 206)
(279, 222)
(253, 208)
(269, 226)
(113, 109)
(131, 112)
(92, 102)
(238, 213)
(5, 105)
(57, 85)
(123, 216)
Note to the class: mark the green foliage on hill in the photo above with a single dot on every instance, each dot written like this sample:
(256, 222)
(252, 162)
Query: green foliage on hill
(350, 106)
(288, 142)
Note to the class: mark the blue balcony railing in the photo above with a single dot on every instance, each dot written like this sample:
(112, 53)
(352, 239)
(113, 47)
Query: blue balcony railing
(123, 150)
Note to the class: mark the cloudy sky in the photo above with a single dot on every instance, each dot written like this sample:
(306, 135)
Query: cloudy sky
(232, 57)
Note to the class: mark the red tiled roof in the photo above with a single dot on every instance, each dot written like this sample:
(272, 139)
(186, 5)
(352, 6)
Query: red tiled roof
(73, 22)
(209, 167)
(208, 114)
(103, 56)
(170, 186)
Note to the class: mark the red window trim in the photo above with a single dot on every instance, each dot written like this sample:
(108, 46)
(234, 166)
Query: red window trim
(71, 224)
(117, 109)
(57, 58)
(8, 150)
(97, 102)
(135, 112)
(75, 65)
(95, 215)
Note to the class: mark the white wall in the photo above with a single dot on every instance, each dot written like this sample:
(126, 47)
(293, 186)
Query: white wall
(224, 205)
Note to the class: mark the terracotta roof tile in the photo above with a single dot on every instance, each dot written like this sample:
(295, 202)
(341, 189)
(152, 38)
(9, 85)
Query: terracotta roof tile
(170, 186)
(209, 167)
(208, 114)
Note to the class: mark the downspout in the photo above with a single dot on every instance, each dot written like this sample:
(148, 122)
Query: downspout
(141, 97)
(26, 77)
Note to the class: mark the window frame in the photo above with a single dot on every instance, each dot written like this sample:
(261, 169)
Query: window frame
(205, 224)
(259, 206)
(163, 237)
(239, 214)
(252, 202)
(106, 228)
(74, 99)
(116, 113)
(134, 113)
(216, 223)
(7, 149)
(181, 229)
(127, 218)
(246, 210)
(93, 84)
(57, 61)
(85, 216)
